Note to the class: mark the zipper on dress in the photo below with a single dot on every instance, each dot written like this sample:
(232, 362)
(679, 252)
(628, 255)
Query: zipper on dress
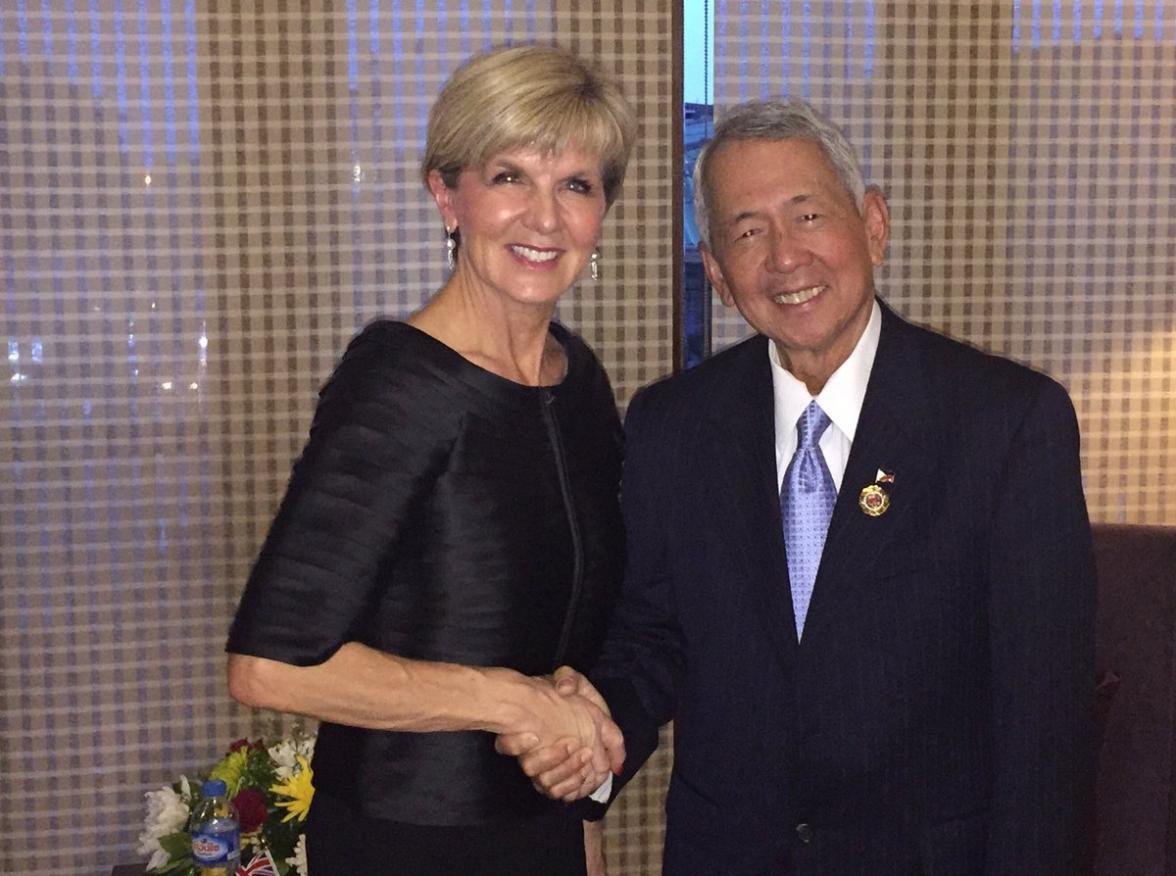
(565, 488)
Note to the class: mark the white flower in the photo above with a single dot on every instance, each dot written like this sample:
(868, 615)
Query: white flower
(285, 755)
(167, 812)
(298, 860)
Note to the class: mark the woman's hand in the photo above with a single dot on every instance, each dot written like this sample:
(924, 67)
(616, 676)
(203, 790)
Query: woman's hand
(543, 714)
(564, 770)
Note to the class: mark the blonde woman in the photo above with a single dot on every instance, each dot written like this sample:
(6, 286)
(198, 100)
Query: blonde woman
(451, 534)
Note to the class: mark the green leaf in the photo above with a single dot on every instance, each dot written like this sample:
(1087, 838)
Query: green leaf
(279, 839)
(177, 845)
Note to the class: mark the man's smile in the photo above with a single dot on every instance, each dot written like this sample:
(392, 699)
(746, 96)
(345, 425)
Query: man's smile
(800, 296)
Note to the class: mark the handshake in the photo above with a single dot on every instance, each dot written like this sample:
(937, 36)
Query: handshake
(566, 742)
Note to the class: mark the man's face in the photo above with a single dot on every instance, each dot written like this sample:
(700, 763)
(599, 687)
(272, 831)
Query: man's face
(789, 248)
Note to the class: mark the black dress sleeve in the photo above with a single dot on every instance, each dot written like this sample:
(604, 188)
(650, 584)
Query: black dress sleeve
(378, 438)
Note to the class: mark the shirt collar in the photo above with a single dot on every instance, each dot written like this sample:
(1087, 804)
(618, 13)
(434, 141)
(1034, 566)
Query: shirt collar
(842, 396)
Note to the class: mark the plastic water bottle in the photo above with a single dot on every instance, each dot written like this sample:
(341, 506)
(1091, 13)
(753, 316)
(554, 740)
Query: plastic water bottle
(216, 832)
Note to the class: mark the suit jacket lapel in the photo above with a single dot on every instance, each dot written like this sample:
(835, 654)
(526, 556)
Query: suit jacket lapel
(742, 437)
(892, 436)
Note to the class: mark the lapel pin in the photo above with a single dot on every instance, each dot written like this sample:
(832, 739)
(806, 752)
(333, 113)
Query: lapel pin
(873, 500)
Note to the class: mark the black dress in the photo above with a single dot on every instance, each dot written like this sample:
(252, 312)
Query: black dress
(441, 512)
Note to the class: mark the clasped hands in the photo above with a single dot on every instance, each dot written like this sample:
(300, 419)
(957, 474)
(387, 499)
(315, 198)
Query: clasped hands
(572, 744)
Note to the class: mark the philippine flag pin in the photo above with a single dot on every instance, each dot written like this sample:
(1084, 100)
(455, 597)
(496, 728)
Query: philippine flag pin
(873, 500)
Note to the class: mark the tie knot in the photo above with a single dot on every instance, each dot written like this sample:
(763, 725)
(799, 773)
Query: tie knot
(811, 425)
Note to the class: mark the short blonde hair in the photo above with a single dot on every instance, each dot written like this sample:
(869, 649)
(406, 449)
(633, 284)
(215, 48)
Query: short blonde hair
(537, 96)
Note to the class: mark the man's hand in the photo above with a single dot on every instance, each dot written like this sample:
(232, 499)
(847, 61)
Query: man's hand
(566, 769)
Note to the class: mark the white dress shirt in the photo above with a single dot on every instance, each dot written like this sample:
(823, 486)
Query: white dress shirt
(841, 399)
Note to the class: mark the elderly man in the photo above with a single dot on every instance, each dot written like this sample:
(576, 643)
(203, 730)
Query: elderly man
(860, 575)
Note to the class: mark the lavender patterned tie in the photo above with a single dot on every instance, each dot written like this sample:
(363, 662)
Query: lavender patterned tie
(807, 497)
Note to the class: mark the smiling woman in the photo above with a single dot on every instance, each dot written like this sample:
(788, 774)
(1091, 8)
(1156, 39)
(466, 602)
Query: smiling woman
(526, 151)
(529, 222)
(451, 534)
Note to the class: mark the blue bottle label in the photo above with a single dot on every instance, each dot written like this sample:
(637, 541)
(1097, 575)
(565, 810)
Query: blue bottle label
(211, 849)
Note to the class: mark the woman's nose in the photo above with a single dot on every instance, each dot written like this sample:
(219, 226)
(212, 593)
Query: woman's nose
(542, 212)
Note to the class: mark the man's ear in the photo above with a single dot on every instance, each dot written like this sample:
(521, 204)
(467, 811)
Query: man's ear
(714, 273)
(876, 216)
(443, 197)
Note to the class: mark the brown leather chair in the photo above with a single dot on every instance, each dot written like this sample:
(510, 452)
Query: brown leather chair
(1135, 664)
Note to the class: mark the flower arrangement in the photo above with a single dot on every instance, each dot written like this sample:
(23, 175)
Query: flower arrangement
(271, 786)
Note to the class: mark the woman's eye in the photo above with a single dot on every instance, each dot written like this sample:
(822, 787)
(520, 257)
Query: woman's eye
(810, 217)
(582, 186)
(505, 176)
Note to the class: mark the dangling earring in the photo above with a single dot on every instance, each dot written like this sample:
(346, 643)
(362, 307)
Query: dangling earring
(450, 249)
(595, 265)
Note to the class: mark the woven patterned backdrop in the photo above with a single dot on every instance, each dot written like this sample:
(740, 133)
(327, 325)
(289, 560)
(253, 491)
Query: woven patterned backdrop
(1028, 150)
(199, 204)
(633, 330)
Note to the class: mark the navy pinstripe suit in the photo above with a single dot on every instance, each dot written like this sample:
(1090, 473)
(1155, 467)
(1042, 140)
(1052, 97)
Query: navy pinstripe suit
(936, 717)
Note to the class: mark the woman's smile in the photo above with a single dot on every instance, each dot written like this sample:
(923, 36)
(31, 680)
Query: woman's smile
(535, 257)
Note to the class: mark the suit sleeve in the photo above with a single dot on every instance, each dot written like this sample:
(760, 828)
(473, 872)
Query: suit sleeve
(641, 663)
(1041, 607)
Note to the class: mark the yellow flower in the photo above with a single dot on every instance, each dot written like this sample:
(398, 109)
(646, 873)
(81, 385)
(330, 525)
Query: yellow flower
(229, 771)
(299, 788)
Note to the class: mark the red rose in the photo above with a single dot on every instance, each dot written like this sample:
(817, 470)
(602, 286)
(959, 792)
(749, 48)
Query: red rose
(251, 809)
(239, 744)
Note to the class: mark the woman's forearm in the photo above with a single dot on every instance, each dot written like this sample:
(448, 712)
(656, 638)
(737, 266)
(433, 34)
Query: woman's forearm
(363, 687)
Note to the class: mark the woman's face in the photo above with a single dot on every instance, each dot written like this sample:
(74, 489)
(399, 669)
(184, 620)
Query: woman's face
(528, 222)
